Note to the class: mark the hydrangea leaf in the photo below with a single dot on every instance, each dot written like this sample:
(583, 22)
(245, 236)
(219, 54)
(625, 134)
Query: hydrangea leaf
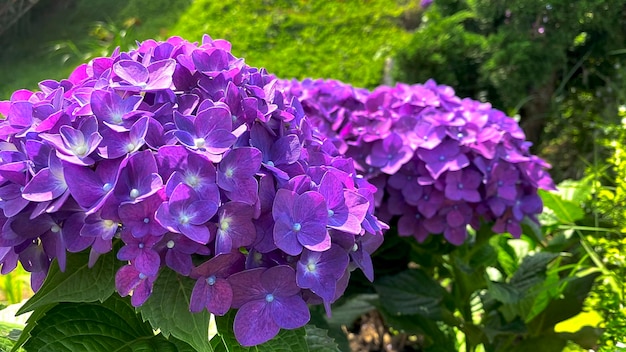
(31, 323)
(78, 283)
(355, 306)
(307, 338)
(412, 292)
(167, 309)
(566, 211)
(110, 326)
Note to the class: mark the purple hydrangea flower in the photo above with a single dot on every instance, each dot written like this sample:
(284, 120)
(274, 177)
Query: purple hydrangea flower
(171, 150)
(235, 175)
(185, 212)
(129, 280)
(320, 271)
(208, 132)
(234, 228)
(427, 151)
(300, 221)
(267, 300)
(76, 145)
(137, 77)
(212, 290)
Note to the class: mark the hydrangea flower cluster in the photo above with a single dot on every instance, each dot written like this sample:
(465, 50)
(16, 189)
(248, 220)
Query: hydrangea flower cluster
(195, 162)
(440, 162)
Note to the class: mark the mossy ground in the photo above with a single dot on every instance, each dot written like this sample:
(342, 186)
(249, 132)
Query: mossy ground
(347, 40)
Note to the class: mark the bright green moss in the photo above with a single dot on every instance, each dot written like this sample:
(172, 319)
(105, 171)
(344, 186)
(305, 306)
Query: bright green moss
(346, 40)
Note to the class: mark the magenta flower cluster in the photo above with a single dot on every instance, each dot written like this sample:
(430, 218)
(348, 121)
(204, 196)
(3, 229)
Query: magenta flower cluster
(441, 163)
(194, 161)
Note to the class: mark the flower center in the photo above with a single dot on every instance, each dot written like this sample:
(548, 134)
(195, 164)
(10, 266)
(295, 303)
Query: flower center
(142, 276)
(141, 245)
(134, 193)
(183, 219)
(269, 298)
(229, 173)
(311, 267)
(297, 227)
(270, 163)
(80, 149)
(355, 247)
(107, 187)
(211, 280)
(116, 118)
(331, 213)
(130, 147)
(146, 220)
(224, 224)
(199, 143)
(55, 228)
(442, 158)
(170, 244)
(108, 223)
(192, 180)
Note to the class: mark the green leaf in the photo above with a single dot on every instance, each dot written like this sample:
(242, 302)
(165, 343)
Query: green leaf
(352, 308)
(532, 270)
(111, 326)
(412, 292)
(534, 288)
(587, 337)
(30, 325)
(503, 292)
(345, 313)
(308, 338)
(78, 283)
(495, 326)
(483, 256)
(571, 303)
(577, 191)
(566, 211)
(548, 290)
(438, 337)
(167, 309)
(545, 343)
(9, 334)
(506, 255)
(318, 340)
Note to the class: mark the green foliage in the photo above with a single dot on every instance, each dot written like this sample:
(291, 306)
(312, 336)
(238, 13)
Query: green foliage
(78, 283)
(109, 326)
(26, 55)
(444, 50)
(14, 285)
(558, 64)
(493, 293)
(609, 205)
(9, 334)
(168, 310)
(347, 40)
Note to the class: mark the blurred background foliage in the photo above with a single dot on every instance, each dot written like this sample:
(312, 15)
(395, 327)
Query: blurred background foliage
(558, 66)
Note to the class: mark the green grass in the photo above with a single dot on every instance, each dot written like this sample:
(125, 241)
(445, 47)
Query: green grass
(27, 56)
(347, 40)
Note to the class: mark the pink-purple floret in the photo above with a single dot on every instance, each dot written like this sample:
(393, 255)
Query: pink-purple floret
(441, 163)
(194, 161)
